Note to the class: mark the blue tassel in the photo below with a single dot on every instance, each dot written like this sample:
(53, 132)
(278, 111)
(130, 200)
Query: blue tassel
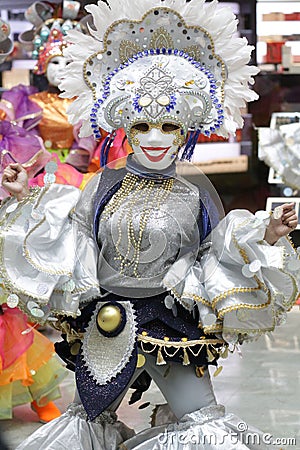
(190, 145)
(105, 148)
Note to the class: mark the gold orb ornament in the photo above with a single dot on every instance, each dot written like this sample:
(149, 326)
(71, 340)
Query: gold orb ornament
(109, 318)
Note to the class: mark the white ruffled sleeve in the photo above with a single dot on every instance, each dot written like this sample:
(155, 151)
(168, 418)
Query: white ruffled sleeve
(242, 286)
(41, 258)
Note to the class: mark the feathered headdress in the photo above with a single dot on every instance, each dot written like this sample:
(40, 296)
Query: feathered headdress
(157, 60)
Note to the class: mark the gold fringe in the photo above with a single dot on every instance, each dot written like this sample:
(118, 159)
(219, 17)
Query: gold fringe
(200, 371)
(210, 355)
(186, 359)
(218, 370)
(160, 359)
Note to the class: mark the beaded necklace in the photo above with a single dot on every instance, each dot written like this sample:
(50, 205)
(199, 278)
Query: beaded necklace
(137, 188)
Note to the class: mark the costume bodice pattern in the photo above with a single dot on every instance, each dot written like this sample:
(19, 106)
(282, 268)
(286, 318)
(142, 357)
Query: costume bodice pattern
(145, 227)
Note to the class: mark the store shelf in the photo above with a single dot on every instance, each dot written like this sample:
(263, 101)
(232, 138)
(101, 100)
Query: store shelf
(225, 165)
(275, 29)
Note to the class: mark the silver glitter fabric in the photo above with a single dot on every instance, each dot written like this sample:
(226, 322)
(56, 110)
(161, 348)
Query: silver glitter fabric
(171, 233)
(104, 356)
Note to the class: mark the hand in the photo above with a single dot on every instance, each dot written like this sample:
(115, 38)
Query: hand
(283, 224)
(15, 180)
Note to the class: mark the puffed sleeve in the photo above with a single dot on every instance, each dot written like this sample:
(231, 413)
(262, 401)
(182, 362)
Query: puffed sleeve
(241, 285)
(41, 260)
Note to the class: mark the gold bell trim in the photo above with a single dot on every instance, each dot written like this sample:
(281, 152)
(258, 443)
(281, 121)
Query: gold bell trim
(160, 359)
(186, 359)
(210, 355)
(200, 371)
(218, 370)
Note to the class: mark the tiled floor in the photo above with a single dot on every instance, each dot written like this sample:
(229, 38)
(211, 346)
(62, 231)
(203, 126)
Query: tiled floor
(262, 387)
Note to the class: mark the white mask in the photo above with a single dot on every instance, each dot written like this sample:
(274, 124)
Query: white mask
(55, 68)
(156, 145)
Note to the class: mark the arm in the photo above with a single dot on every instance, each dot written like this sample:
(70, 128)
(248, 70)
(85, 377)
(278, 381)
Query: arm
(15, 181)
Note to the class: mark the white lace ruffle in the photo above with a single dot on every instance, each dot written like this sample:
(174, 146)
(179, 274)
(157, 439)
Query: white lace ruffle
(242, 286)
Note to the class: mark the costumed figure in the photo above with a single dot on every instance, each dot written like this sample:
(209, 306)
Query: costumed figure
(138, 271)
(279, 148)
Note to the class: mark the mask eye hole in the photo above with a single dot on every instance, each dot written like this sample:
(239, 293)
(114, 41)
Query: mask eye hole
(143, 126)
(168, 127)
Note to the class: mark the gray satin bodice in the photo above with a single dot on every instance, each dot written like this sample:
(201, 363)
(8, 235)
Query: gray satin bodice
(171, 231)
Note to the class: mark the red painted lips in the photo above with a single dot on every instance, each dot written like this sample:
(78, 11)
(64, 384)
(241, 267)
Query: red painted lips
(155, 158)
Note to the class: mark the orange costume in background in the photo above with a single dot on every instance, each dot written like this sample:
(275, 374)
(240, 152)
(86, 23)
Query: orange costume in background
(54, 128)
(29, 370)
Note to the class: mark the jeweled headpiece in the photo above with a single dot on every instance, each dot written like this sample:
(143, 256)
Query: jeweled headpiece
(47, 39)
(48, 44)
(157, 60)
